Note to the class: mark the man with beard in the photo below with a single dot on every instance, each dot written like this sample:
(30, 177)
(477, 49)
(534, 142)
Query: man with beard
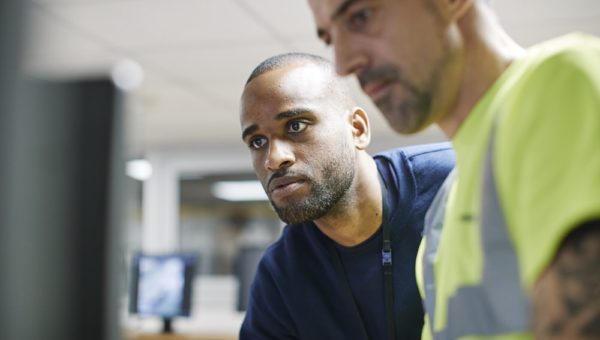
(521, 228)
(344, 265)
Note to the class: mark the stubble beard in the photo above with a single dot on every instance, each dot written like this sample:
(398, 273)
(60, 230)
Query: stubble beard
(335, 178)
(406, 107)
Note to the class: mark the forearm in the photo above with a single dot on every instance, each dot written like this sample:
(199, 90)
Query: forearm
(566, 298)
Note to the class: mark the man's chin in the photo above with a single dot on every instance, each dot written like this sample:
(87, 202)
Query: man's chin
(287, 214)
(399, 125)
(297, 214)
(407, 129)
(405, 123)
(293, 219)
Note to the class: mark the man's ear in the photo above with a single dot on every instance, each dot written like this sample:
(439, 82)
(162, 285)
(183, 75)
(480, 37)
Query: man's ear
(454, 10)
(361, 131)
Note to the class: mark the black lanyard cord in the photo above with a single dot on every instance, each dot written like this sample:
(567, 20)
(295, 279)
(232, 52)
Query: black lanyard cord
(386, 261)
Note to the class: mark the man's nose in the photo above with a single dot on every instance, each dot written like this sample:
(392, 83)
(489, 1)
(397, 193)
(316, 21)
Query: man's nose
(280, 155)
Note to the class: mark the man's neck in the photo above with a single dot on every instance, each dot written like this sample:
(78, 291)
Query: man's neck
(358, 216)
(488, 53)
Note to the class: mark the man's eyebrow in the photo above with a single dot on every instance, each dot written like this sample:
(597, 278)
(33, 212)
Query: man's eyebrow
(321, 33)
(249, 130)
(342, 8)
(291, 113)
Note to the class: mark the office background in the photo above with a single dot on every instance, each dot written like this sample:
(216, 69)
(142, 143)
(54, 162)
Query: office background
(184, 63)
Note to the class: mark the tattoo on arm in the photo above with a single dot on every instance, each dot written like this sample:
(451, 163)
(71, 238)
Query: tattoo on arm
(566, 298)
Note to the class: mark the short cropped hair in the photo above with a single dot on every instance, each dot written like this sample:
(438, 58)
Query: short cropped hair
(285, 59)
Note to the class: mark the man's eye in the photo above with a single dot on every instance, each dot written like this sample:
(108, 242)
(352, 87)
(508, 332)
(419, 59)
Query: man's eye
(359, 19)
(324, 36)
(257, 143)
(297, 126)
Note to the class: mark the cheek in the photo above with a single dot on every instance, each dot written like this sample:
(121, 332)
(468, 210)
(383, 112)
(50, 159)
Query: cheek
(328, 147)
(394, 47)
(259, 168)
(408, 39)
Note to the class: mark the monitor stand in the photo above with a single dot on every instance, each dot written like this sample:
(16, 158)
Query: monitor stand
(167, 326)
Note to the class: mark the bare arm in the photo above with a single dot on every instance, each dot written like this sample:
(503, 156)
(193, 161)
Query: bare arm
(566, 298)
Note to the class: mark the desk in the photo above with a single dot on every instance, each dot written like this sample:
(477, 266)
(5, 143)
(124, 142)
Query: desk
(159, 336)
(223, 325)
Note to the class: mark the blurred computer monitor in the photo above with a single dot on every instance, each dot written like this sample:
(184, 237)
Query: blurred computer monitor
(161, 286)
(62, 176)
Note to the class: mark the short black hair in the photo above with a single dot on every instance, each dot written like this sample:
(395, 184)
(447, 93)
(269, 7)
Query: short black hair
(285, 59)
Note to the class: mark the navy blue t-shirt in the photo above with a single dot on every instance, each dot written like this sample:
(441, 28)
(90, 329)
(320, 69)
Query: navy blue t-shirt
(297, 292)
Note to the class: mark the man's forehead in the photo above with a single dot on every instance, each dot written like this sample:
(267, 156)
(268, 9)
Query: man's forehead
(309, 80)
(327, 10)
(298, 81)
(281, 88)
(322, 11)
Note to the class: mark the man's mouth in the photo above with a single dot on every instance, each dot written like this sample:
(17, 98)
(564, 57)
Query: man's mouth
(284, 186)
(376, 89)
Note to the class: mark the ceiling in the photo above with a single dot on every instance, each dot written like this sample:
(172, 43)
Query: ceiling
(197, 54)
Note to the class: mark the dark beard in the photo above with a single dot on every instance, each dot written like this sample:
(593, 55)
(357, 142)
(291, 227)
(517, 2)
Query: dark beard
(336, 179)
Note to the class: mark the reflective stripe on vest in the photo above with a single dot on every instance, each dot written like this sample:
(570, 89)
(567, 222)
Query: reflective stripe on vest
(497, 305)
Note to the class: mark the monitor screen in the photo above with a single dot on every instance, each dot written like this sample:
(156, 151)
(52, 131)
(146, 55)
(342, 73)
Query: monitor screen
(162, 285)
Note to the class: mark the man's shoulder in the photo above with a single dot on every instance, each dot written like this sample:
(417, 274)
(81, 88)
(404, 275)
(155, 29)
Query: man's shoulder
(558, 78)
(435, 154)
(572, 52)
(415, 150)
(566, 44)
(413, 175)
(411, 171)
